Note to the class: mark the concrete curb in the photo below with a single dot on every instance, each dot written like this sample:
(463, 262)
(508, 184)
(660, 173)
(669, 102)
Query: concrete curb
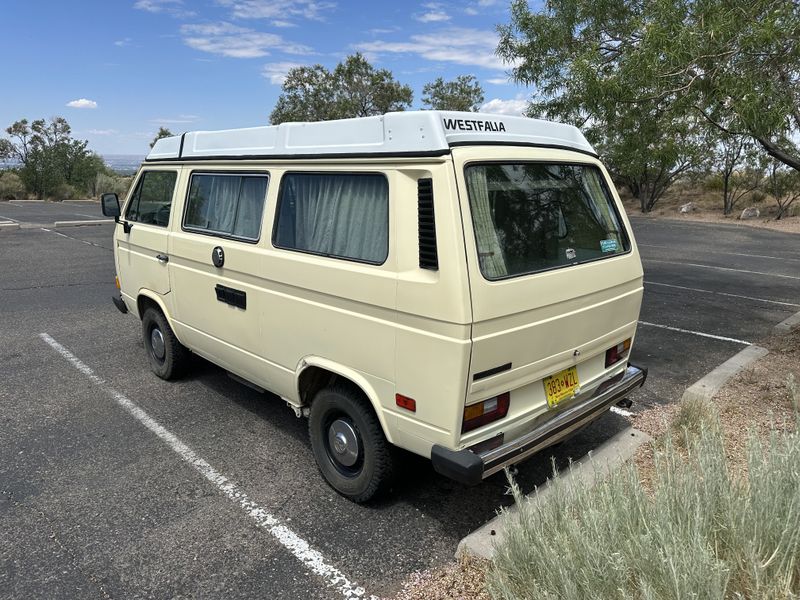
(9, 226)
(79, 223)
(589, 470)
(710, 384)
(785, 325)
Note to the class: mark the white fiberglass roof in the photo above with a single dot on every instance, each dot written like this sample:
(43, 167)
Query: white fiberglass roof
(413, 132)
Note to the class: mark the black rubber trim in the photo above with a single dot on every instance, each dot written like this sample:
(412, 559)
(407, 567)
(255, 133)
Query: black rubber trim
(526, 145)
(492, 371)
(231, 296)
(121, 306)
(287, 157)
(180, 150)
(462, 466)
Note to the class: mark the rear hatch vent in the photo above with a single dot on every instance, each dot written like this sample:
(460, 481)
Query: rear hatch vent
(428, 257)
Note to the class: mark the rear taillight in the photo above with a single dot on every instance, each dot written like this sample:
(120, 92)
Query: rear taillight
(479, 414)
(618, 352)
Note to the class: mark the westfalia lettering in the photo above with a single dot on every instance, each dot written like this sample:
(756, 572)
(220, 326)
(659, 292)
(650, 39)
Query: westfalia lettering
(469, 125)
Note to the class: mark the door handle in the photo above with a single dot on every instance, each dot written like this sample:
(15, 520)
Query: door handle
(162, 258)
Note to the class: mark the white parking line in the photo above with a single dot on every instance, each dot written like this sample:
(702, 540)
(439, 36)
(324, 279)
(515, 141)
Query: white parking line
(685, 264)
(301, 549)
(700, 333)
(9, 218)
(691, 289)
(723, 253)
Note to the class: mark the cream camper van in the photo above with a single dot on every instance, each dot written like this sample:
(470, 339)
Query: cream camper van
(464, 286)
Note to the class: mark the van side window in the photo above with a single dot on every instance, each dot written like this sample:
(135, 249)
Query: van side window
(226, 204)
(152, 198)
(339, 215)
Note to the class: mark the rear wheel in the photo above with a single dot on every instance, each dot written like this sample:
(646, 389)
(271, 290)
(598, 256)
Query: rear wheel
(168, 357)
(348, 443)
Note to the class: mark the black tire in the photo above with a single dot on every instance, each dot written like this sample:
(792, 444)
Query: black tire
(338, 408)
(169, 362)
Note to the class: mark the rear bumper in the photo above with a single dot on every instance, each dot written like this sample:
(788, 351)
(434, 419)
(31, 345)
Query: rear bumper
(119, 303)
(471, 468)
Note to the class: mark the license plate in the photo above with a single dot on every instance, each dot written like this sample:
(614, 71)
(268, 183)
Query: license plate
(561, 386)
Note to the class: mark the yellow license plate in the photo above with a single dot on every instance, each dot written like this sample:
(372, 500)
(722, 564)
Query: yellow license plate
(561, 386)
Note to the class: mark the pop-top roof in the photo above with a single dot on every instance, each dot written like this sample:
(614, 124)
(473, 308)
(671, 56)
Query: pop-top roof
(398, 133)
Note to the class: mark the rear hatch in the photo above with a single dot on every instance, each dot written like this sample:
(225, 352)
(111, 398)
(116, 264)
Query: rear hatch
(555, 278)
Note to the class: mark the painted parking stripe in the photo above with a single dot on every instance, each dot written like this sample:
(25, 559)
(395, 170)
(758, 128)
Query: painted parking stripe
(691, 289)
(300, 548)
(685, 264)
(700, 333)
(724, 253)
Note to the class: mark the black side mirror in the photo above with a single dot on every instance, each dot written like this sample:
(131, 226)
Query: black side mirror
(110, 205)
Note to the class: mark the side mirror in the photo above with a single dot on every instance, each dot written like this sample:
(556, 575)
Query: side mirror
(110, 205)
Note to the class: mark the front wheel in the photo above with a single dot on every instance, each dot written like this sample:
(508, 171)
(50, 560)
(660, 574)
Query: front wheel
(168, 357)
(348, 443)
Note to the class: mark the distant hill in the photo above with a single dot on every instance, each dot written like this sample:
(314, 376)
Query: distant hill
(124, 164)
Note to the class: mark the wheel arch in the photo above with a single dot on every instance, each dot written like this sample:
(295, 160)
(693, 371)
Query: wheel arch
(147, 298)
(315, 373)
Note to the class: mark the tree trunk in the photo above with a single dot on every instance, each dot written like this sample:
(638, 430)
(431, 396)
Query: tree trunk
(778, 153)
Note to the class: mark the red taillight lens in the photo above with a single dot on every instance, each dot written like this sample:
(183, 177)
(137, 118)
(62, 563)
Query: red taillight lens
(405, 402)
(481, 413)
(618, 352)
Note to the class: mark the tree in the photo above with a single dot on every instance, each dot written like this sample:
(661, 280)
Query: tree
(737, 165)
(736, 64)
(163, 132)
(462, 93)
(353, 89)
(784, 185)
(50, 158)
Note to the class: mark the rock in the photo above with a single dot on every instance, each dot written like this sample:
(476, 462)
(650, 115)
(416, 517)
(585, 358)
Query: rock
(750, 212)
(688, 207)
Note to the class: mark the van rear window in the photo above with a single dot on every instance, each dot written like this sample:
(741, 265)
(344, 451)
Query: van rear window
(531, 217)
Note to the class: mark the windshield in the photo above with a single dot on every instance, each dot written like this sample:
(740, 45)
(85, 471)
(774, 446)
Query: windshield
(531, 217)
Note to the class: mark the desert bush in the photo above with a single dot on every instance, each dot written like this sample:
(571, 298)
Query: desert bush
(699, 533)
(11, 186)
(64, 191)
(106, 183)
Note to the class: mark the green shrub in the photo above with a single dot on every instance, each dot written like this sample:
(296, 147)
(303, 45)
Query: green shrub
(11, 186)
(699, 533)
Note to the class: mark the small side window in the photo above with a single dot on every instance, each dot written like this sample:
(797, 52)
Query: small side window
(339, 215)
(227, 205)
(152, 199)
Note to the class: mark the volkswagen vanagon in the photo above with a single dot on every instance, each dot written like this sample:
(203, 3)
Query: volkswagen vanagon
(464, 286)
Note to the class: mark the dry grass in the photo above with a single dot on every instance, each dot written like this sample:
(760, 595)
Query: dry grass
(462, 580)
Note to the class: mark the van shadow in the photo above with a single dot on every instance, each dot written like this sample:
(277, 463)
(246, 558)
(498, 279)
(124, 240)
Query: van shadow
(457, 509)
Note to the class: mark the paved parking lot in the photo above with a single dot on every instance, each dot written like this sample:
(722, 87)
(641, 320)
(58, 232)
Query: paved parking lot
(217, 494)
(33, 213)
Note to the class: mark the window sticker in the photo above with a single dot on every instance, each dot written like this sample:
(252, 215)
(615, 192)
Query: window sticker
(608, 245)
(570, 252)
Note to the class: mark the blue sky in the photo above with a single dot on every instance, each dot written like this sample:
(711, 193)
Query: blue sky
(119, 69)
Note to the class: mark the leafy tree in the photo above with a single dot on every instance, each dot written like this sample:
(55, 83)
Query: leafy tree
(463, 93)
(738, 167)
(784, 185)
(50, 158)
(353, 89)
(736, 64)
(163, 132)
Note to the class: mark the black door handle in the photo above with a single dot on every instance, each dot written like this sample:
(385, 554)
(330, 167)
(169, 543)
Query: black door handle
(162, 258)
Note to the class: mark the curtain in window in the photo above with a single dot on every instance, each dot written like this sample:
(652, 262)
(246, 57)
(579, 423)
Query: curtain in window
(251, 206)
(222, 198)
(340, 215)
(490, 254)
(600, 204)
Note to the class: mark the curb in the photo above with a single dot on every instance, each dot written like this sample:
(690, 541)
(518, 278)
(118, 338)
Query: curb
(711, 383)
(785, 325)
(9, 226)
(589, 469)
(79, 223)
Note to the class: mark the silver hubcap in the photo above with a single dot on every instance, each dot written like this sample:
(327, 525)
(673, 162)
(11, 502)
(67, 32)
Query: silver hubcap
(343, 442)
(157, 343)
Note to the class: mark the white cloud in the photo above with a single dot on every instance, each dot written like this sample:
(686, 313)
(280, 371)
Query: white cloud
(270, 9)
(433, 16)
(276, 72)
(236, 42)
(513, 107)
(102, 131)
(123, 42)
(170, 7)
(281, 23)
(82, 103)
(458, 45)
(471, 11)
(499, 81)
(180, 119)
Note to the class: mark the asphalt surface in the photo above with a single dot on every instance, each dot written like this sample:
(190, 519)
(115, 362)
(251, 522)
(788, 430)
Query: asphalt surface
(94, 505)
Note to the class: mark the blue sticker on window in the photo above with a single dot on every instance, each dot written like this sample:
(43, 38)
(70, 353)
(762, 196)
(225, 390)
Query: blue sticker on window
(608, 245)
